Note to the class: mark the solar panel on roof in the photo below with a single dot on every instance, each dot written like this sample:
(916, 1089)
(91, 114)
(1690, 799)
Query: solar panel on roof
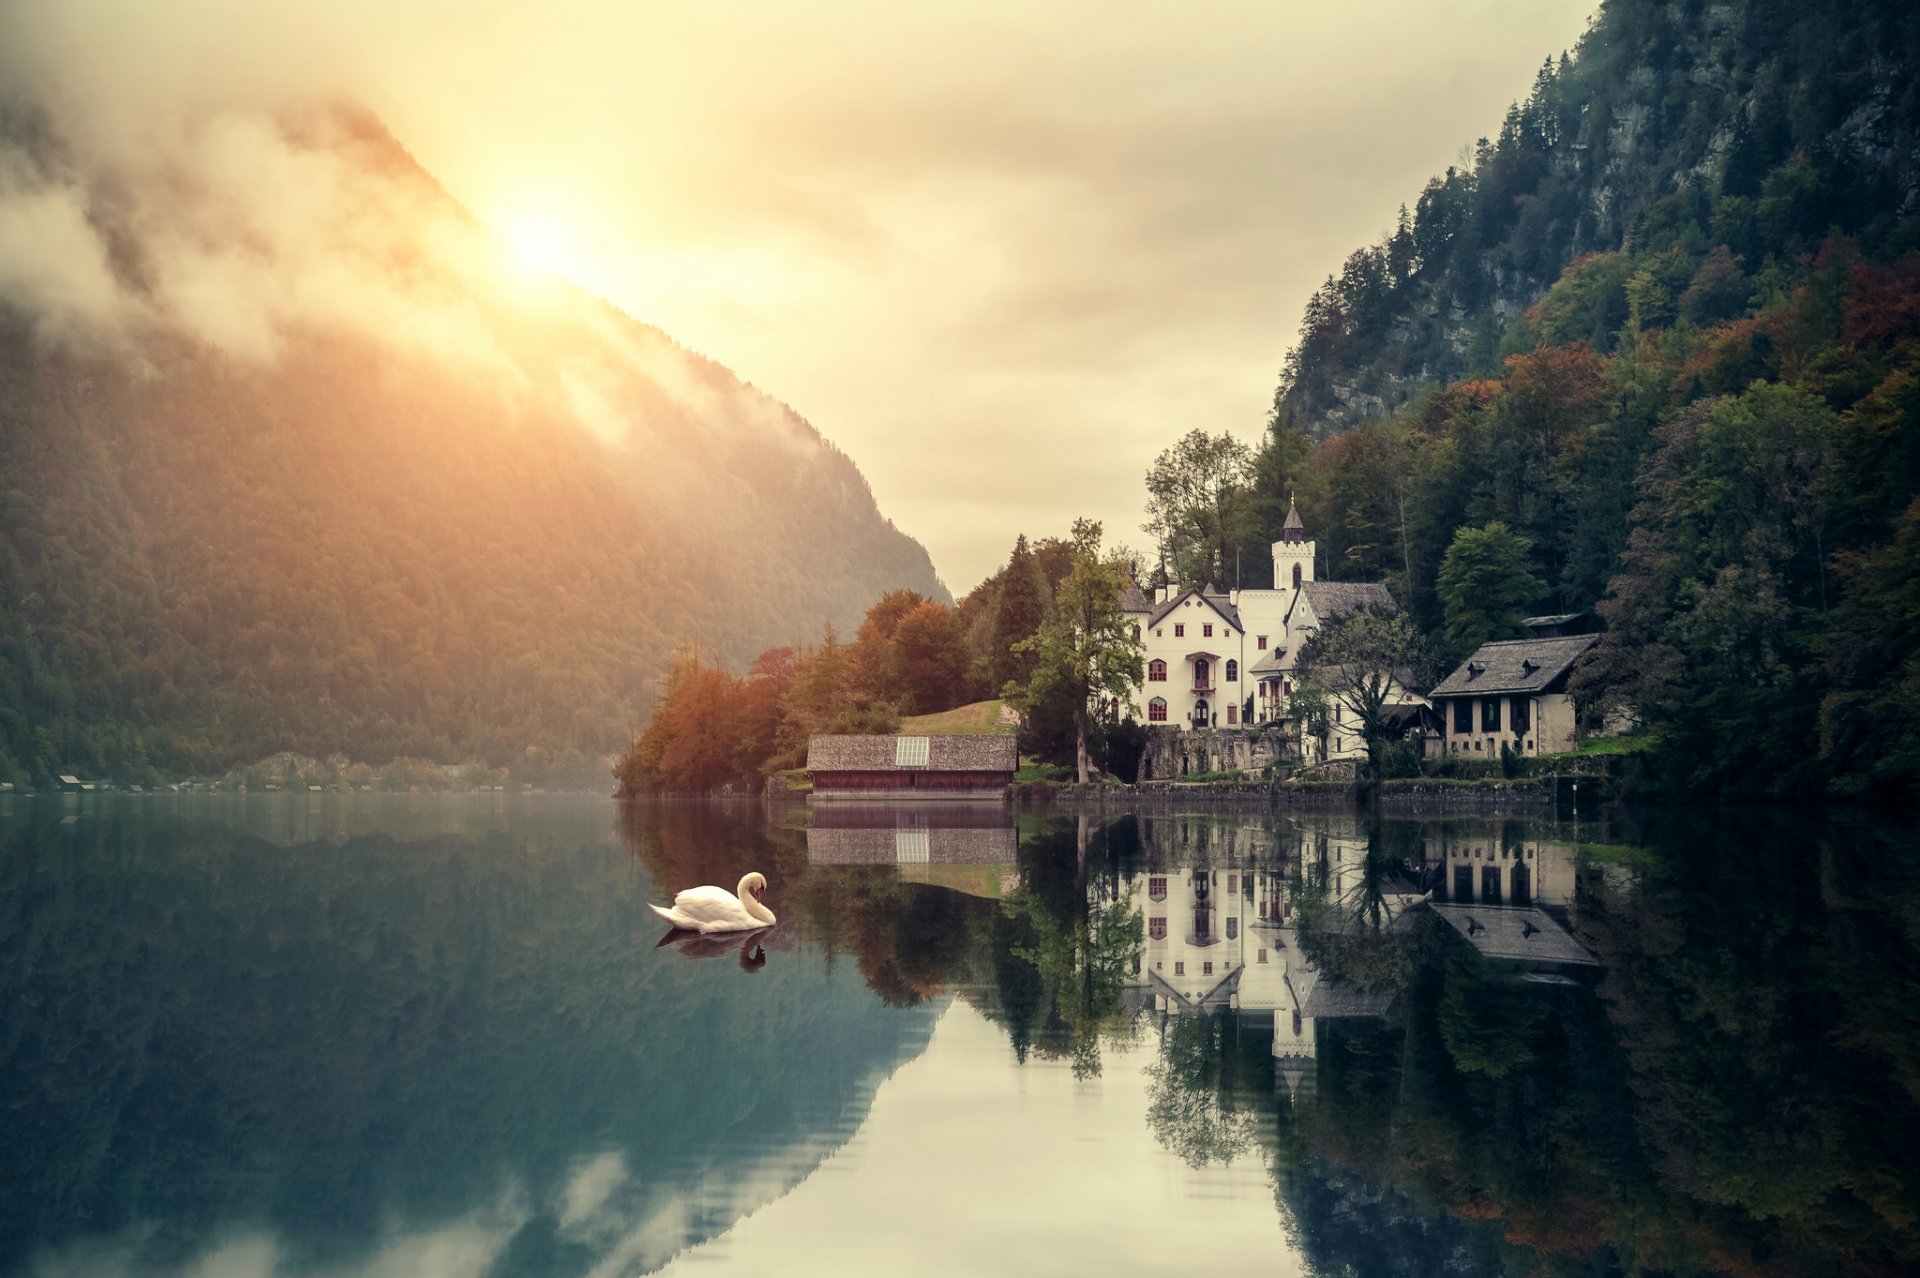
(911, 752)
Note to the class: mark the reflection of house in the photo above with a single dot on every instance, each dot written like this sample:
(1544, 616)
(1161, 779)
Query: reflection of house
(1497, 870)
(1513, 693)
(1213, 936)
(1517, 935)
(945, 767)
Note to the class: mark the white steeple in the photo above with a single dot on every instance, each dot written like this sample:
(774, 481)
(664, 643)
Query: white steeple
(1293, 553)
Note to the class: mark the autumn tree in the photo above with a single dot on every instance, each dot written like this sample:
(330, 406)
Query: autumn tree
(929, 659)
(1086, 647)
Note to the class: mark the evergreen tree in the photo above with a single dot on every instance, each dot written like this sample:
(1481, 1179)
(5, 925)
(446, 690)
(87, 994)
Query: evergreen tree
(1017, 615)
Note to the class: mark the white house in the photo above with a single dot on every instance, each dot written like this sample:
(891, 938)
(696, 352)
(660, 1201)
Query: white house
(1220, 659)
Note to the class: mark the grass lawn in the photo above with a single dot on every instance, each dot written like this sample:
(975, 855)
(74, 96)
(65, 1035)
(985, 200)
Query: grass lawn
(981, 719)
(1609, 746)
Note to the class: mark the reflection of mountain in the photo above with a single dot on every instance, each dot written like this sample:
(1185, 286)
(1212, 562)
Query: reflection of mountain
(351, 1044)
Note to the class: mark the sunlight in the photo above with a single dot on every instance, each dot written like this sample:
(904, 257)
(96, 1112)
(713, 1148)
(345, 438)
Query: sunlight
(542, 244)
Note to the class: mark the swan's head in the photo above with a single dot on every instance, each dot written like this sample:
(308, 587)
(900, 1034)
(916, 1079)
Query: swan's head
(755, 883)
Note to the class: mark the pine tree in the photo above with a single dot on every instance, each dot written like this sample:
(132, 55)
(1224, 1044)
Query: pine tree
(1017, 614)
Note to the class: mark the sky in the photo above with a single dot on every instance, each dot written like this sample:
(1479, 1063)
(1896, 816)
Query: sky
(1001, 254)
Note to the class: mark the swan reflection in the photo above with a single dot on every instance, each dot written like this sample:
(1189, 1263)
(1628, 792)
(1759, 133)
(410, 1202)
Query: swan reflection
(704, 945)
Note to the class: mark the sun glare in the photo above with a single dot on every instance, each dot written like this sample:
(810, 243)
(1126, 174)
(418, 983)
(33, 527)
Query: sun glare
(542, 245)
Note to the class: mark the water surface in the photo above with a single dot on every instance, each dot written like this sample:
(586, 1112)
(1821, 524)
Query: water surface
(358, 1035)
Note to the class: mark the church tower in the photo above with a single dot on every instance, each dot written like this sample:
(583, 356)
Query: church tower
(1293, 553)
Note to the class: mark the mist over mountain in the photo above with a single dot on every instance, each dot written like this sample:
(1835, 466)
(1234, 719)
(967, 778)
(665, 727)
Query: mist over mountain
(296, 455)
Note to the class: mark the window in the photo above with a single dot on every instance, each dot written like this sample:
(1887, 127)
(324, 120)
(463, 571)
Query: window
(1286, 686)
(1206, 969)
(1522, 717)
(1233, 712)
(1157, 887)
(1233, 929)
(1462, 715)
(1179, 969)
(1158, 632)
(1296, 576)
(1157, 929)
(1233, 672)
(1179, 632)
(1489, 714)
(1233, 884)
(1206, 631)
(1260, 641)
(1157, 710)
(1156, 671)
(1200, 673)
(1136, 632)
(1263, 956)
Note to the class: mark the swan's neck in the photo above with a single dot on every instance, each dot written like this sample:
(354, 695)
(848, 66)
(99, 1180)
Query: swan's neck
(751, 903)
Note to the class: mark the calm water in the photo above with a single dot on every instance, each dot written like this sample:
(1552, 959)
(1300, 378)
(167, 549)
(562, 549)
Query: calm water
(359, 1036)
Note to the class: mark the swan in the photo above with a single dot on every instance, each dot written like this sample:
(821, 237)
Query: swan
(712, 909)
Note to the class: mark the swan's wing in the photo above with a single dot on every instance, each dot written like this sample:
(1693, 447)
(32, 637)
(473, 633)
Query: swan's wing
(708, 905)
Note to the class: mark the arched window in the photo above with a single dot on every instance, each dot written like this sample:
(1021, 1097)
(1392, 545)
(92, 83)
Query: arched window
(1157, 709)
(1157, 673)
(1233, 671)
(1200, 674)
(1296, 576)
(1136, 634)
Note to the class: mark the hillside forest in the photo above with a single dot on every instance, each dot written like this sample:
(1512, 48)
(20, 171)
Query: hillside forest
(466, 519)
(1654, 354)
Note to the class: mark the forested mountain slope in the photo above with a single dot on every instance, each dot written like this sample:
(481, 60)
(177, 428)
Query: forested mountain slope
(1759, 126)
(1656, 354)
(295, 456)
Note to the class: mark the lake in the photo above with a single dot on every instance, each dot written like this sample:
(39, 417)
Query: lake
(418, 1035)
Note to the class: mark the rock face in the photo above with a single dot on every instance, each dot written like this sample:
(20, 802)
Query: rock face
(299, 457)
(1170, 756)
(1660, 106)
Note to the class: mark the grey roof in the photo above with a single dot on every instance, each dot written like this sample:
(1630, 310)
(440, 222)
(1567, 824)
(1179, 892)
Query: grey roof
(1220, 603)
(1557, 619)
(1134, 599)
(1273, 662)
(1330, 999)
(1515, 932)
(1515, 665)
(1294, 521)
(881, 846)
(1331, 599)
(1000, 753)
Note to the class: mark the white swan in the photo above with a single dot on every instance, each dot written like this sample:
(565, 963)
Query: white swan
(712, 909)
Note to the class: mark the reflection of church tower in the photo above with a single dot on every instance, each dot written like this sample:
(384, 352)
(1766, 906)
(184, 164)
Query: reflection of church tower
(1293, 553)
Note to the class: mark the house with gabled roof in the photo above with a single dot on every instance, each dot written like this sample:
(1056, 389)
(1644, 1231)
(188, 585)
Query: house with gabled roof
(1218, 658)
(1511, 692)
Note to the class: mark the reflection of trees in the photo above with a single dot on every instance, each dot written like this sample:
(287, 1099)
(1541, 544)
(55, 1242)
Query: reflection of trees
(1067, 959)
(1342, 925)
(1199, 1106)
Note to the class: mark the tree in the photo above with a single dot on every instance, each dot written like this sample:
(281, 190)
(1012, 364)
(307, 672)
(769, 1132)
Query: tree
(1198, 504)
(929, 659)
(1017, 613)
(1087, 646)
(1486, 586)
(1358, 661)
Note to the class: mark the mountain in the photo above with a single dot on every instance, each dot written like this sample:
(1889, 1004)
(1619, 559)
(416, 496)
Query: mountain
(1759, 126)
(296, 456)
(1660, 346)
